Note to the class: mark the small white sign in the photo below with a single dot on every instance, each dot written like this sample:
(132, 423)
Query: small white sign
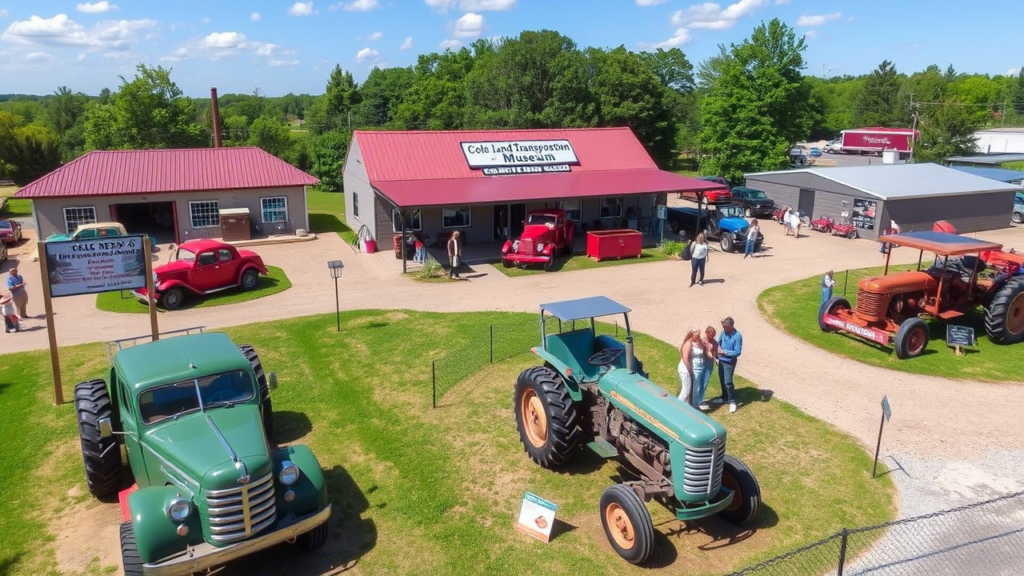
(518, 153)
(536, 517)
(99, 265)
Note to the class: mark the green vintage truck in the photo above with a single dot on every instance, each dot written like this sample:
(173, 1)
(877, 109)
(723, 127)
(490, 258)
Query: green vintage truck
(194, 415)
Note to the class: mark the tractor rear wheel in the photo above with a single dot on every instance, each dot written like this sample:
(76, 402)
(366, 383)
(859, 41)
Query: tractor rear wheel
(101, 456)
(911, 338)
(547, 418)
(627, 523)
(746, 500)
(833, 305)
(1004, 317)
(130, 559)
(266, 406)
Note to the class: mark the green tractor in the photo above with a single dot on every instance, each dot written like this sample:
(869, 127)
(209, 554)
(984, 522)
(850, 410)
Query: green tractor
(592, 390)
(194, 416)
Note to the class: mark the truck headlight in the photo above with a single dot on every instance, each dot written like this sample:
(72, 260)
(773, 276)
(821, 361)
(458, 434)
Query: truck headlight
(179, 509)
(540, 246)
(289, 473)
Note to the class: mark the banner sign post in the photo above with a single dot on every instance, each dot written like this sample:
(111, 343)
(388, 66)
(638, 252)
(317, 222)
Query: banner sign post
(536, 517)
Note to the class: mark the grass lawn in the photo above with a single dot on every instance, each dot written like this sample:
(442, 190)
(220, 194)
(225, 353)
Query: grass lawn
(15, 207)
(422, 491)
(582, 262)
(123, 301)
(794, 308)
(327, 213)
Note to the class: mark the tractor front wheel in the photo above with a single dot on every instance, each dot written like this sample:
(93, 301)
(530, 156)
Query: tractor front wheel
(130, 559)
(911, 338)
(1004, 317)
(547, 418)
(101, 456)
(627, 524)
(266, 406)
(833, 305)
(746, 498)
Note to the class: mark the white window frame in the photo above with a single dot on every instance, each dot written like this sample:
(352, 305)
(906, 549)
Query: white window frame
(263, 209)
(191, 213)
(578, 209)
(395, 220)
(469, 220)
(355, 205)
(67, 227)
(618, 204)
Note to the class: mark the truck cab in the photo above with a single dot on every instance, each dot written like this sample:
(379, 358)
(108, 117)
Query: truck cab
(725, 224)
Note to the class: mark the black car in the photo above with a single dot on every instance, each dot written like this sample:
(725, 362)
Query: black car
(754, 202)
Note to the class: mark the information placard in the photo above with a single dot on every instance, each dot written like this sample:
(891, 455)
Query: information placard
(536, 517)
(97, 265)
(959, 335)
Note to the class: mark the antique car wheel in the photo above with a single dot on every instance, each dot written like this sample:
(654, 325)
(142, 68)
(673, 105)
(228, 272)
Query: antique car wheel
(911, 338)
(101, 456)
(1004, 317)
(313, 539)
(627, 523)
(746, 500)
(833, 305)
(505, 262)
(249, 279)
(130, 559)
(172, 299)
(852, 234)
(547, 264)
(547, 418)
(266, 406)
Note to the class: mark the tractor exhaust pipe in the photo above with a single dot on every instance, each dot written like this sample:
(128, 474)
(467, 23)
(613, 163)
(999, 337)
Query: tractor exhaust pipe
(630, 360)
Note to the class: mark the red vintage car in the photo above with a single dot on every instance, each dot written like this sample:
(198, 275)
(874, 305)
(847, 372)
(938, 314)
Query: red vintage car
(201, 267)
(823, 224)
(546, 233)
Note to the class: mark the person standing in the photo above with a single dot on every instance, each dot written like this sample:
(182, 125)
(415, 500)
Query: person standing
(10, 318)
(454, 255)
(730, 346)
(698, 258)
(795, 216)
(16, 284)
(711, 352)
(752, 233)
(827, 282)
(686, 367)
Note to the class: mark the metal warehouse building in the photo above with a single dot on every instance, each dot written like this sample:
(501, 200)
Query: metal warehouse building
(913, 195)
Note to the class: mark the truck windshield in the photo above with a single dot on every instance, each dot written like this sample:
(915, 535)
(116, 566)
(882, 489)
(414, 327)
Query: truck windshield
(186, 255)
(756, 194)
(541, 219)
(187, 396)
(731, 211)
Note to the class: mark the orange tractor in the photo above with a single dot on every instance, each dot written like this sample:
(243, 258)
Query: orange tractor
(967, 273)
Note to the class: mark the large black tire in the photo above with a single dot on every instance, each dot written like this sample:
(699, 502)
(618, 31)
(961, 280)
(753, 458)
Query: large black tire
(627, 524)
(101, 456)
(313, 539)
(727, 243)
(673, 225)
(266, 405)
(506, 262)
(172, 299)
(547, 418)
(130, 559)
(746, 500)
(911, 338)
(1004, 317)
(834, 303)
(549, 262)
(249, 279)
(1017, 217)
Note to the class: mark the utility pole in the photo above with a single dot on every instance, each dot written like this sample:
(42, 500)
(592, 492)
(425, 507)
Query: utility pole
(913, 130)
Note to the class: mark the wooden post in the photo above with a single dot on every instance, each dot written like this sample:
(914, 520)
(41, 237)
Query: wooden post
(150, 288)
(51, 330)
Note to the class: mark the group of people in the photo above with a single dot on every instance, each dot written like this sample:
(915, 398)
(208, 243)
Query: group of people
(14, 304)
(699, 353)
(792, 221)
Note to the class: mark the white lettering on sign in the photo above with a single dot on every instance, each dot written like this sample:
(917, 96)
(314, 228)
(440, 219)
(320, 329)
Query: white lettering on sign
(868, 333)
(519, 153)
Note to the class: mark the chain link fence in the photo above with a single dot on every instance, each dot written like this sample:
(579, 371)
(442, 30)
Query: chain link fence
(981, 538)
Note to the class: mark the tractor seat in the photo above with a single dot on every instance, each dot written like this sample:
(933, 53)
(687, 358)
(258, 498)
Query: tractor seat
(574, 348)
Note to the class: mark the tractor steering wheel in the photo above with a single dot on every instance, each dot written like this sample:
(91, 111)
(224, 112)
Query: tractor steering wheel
(605, 357)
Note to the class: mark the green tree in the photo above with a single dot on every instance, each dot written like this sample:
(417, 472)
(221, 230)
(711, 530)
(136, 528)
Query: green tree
(34, 151)
(879, 103)
(1017, 93)
(946, 131)
(327, 157)
(235, 129)
(271, 135)
(331, 110)
(64, 109)
(9, 122)
(437, 98)
(381, 95)
(672, 68)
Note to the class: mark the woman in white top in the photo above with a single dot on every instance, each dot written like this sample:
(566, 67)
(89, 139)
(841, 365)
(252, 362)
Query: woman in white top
(691, 364)
(698, 257)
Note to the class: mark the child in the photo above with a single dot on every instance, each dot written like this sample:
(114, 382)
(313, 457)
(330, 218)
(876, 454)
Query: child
(826, 287)
(8, 312)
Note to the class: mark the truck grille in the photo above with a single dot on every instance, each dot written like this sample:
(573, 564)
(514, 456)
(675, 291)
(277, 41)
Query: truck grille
(526, 246)
(870, 305)
(702, 474)
(237, 513)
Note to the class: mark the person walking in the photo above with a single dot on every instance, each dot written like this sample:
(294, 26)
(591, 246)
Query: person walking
(454, 255)
(794, 223)
(711, 352)
(690, 370)
(698, 258)
(10, 318)
(752, 233)
(827, 282)
(787, 220)
(16, 284)
(730, 346)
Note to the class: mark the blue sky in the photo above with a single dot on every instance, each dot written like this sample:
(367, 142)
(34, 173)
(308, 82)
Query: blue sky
(288, 46)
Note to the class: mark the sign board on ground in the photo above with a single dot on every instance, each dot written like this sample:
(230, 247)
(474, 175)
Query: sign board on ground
(92, 266)
(959, 335)
(494, 154)
(886, 409)
(536, 517)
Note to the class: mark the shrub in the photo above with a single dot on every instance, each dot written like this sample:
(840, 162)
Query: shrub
(672, 247)
(431, 268)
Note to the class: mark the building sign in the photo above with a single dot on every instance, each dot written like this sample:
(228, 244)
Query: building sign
(520, 153)
(536, 517)
(864, 213)
(92, 266)
(507, 170)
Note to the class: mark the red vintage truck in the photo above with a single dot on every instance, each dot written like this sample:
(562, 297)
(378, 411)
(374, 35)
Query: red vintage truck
(546, 233)
(874, 140)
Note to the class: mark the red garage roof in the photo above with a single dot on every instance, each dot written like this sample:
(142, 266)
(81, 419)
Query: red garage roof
(429, 168)
(110, 172)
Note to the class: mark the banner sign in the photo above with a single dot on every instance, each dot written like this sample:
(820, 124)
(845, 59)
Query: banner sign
(519, 153)
(508, 170)
(536, 517)
(864, 213)
(866, 333)
(92, 266)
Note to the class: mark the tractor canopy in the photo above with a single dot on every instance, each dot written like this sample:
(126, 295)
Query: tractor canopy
(940, 243)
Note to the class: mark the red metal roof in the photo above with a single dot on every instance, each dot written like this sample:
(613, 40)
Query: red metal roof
(110, 172)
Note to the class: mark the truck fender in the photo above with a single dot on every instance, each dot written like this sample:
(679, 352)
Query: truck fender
(507, 247)
(563, 371)
(155, 533)
(310, 490)
(168, 284)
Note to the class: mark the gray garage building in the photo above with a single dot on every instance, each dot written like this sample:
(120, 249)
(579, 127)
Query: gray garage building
(915, 196)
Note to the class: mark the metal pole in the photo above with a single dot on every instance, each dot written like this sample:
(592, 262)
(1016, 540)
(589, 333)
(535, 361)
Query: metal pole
(846, 279)
(401, 243)
(878, 446)
(433, 383)
(51, 330)
(492, 343)
(842, 551)
(150, 288)
(337, 305)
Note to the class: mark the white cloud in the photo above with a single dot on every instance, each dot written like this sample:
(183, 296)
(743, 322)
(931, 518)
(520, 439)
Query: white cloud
(266, 49)
(221, 45)
(367, 54)
(407, 45)
(301, 9)
(95, 7)
(810, 20)
(376, 36)
(81, 57)
(449, 44)
(811, 34)
(204, 21)
(711, 16)
(255, 16)
(358, 5)
(3, 13)
(680, 37)
(468, 26)
(1013, 72)
(650, 2)
(63, 31)
(781, 2)
(222, 40)
(38, 57)
(279, 63)
(472, 5)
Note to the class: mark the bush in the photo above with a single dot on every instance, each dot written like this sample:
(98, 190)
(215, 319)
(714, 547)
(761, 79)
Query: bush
(431, 268)
(672, 247)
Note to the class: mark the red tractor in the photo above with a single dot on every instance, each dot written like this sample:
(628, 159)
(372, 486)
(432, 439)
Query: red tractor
(966, 274)
(546, 233)
(823, 224)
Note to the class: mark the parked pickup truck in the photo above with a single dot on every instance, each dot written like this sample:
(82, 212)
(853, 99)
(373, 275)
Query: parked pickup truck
(725, 224)
(546, 233)
(755, 203)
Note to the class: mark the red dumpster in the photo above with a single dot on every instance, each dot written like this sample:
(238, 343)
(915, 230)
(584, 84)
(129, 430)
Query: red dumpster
(605, 244)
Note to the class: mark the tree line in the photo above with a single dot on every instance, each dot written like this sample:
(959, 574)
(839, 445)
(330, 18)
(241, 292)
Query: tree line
(738, 111)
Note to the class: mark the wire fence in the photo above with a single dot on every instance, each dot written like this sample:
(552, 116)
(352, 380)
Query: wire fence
(981, 538)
